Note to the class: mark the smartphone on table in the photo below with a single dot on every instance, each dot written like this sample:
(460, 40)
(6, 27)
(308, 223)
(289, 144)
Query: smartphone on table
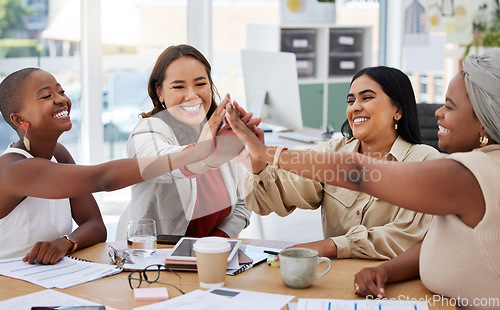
(168, 239)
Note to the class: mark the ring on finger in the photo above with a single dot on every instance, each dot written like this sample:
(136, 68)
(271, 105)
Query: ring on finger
(356, 287)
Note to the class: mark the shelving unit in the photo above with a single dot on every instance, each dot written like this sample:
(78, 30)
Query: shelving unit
(328, 55)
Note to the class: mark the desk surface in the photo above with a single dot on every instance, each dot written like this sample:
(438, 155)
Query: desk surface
(115, 292)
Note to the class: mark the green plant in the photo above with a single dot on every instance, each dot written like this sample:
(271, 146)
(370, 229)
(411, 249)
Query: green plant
(12, 16)
(488, 38)
(486, 31)
(19, 48)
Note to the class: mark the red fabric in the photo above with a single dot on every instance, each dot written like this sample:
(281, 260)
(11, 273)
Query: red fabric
(211, 207)
(212, 204)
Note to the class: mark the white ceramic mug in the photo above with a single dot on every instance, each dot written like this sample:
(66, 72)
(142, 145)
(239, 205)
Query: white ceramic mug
(298, 267)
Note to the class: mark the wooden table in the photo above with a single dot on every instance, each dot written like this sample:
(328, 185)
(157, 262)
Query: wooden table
(114, 291)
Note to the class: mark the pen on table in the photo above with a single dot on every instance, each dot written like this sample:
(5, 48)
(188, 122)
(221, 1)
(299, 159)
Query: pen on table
(271, 252)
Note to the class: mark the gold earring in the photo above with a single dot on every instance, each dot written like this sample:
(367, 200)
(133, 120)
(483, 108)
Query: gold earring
(396, 124)
(483, 140)
(26, 142)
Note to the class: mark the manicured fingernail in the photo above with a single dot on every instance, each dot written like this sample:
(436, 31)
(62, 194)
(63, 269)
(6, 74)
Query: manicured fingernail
(380, 296)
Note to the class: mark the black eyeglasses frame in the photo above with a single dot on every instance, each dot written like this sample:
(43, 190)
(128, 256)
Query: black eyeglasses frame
(143, 276)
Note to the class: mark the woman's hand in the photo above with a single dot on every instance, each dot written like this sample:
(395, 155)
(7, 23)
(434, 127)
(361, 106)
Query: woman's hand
(253, 137)
(206, 141)
(48, 252)
(254, 166)
(371, 281)
(229, 146)
(246, 117)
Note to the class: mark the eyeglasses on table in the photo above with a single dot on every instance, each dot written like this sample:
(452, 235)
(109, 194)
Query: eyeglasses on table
(151, 274)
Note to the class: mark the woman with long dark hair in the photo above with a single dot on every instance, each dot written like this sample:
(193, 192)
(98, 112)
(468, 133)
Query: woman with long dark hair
(382, 123)
(200, 199)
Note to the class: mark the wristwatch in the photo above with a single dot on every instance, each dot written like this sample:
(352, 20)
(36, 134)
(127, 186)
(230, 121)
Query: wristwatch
(71, 239)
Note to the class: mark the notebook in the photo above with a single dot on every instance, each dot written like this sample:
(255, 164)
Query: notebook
(68, 271)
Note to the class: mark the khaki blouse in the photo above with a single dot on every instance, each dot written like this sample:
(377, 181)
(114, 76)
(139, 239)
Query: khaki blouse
(361, 225)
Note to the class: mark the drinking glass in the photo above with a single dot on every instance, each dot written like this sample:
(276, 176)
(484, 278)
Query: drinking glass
(141, 237)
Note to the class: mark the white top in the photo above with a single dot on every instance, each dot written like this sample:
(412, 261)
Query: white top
(33, 220)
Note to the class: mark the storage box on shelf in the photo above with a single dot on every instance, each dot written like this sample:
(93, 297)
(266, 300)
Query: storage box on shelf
(301, 42)
(346, 52)
(328, 55)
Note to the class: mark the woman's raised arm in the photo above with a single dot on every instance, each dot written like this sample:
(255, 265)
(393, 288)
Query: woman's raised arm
(441, 186)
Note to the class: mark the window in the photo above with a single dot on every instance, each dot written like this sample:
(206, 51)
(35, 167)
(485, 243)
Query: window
(229, 20)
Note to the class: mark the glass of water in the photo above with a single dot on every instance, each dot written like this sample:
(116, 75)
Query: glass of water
(141, 237)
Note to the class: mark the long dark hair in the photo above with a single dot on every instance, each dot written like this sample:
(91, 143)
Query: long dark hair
(183, 132)
(398, 87)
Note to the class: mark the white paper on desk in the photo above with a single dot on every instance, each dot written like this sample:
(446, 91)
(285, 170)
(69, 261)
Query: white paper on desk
(48, 298)
(373, 304)
(257, 252)
(242, 300)
(253, 299)
(141, 262)
(66, 272)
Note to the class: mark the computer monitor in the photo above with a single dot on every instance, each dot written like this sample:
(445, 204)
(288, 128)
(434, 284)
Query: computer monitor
(272, 88)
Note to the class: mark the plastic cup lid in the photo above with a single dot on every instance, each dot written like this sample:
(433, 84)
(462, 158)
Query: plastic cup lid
(211, 245)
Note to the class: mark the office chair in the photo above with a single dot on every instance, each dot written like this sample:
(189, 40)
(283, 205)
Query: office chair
(428, 123)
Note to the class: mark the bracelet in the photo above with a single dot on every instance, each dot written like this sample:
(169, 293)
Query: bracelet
(277, 154)
(169, 162)
(209, 167)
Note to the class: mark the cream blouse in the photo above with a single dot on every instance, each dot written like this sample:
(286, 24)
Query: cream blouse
(462, 262)
(361, 225)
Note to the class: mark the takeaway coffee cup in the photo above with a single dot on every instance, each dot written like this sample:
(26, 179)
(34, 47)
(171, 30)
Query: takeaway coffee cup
(211, 261)
(298, 267)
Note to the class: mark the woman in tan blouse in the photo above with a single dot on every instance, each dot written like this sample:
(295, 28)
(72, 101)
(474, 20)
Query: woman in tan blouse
(382, 123)
(460, 256)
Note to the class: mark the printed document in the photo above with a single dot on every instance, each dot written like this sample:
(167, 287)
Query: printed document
(66, 272)
(361, 304)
